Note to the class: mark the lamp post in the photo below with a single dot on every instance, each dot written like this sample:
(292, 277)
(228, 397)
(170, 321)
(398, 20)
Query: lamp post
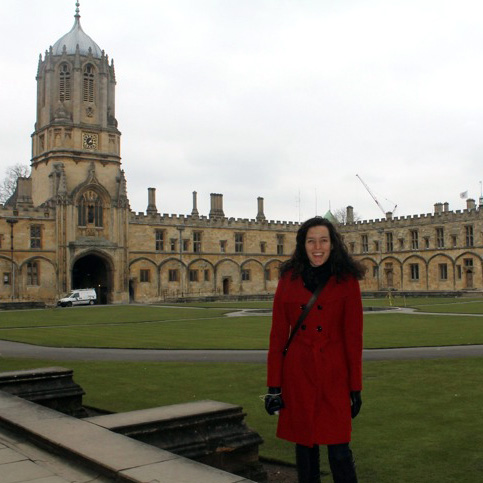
(11, 222)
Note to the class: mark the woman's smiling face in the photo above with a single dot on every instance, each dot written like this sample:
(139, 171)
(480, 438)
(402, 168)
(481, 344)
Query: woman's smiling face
(317, 245)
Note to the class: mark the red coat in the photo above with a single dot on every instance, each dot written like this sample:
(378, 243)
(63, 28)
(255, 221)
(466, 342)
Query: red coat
(323, 363)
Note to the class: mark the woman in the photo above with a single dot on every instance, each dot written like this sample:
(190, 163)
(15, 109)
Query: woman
(316, 386)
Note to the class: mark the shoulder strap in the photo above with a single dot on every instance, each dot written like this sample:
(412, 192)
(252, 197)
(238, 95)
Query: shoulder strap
(303, 315)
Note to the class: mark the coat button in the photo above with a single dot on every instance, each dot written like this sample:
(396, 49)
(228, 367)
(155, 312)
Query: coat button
(319, 328)
(303, 327)
(302, 307)
(319, 307)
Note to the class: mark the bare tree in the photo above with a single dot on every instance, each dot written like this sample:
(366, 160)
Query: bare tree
(340, 215)
(9, 183)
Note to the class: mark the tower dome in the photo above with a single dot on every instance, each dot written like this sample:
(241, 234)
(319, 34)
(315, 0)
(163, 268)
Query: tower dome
(76, 37)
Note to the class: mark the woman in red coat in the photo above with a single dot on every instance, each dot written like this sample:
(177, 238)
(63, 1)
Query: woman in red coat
(315, 387)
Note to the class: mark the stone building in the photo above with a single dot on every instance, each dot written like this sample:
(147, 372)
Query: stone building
(69, 225)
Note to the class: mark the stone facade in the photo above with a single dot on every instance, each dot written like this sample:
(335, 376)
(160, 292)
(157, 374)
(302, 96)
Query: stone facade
(69, 225)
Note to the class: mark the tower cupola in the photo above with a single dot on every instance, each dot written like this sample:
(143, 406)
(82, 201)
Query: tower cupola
(76, 37)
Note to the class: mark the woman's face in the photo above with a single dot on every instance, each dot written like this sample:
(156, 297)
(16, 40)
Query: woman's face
(317, 245)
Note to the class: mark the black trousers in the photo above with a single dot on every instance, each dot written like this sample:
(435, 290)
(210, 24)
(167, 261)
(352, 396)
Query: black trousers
(340, 460)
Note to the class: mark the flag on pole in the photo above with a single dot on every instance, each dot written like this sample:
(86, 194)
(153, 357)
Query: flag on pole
(464, 194)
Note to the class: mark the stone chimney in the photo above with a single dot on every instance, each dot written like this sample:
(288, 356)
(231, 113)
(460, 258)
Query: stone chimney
(389, 215)
(470, 204)
(151, 209)
(260, 214)
(349, 217)
(194, 211)
(216, 210)
(438, 208)
(446, 207)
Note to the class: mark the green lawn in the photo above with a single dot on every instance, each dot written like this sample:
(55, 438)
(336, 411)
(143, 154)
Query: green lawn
(420, 420)
(203, 328)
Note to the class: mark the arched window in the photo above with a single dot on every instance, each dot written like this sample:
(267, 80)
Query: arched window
(64, 82)
(90, 210)
(88, 94)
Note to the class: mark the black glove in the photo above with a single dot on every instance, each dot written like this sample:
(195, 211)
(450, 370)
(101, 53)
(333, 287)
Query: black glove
(356, 403)
(273, 400)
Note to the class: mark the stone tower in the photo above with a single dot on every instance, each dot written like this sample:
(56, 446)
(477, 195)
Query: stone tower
(76, 126)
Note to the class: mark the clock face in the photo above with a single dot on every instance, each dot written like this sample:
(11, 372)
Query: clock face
(89, 140)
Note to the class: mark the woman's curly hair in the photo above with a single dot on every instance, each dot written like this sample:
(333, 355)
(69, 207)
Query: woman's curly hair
(340, 260)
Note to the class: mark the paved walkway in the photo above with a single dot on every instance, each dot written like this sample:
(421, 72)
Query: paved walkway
(15, 349)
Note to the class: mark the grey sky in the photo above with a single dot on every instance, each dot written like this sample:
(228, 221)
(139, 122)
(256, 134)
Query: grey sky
(284, 99)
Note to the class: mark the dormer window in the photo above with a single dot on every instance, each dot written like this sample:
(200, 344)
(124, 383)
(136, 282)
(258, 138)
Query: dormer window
(88, 88)
(64, 82)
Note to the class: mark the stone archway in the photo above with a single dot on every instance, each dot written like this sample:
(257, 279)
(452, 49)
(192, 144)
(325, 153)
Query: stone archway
(92, 271)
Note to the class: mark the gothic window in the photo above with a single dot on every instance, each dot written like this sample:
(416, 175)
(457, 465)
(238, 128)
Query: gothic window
(144, 275)
(238, 242)
(173, 275)
(280, 239)
(365, 243)
(245, 275)
(32, 273)
(193, 275)
(443, 271)
(414, 239)
(64, 82)
(35, 236)
(88, 87)
(389, 242)
(440, 237)
(414, 270)
(90, 210)
(197, 241)
(159, 243)
(469, 235)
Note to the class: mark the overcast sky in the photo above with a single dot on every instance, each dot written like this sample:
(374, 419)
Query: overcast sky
(284, 99)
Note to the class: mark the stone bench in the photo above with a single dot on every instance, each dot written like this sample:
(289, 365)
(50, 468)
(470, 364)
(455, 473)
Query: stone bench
(111, 454)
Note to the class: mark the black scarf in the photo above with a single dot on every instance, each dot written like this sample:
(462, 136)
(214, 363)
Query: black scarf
(313, 276)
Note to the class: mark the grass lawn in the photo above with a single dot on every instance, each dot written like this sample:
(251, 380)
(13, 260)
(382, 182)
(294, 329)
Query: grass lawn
(420, 420)
(132, 326)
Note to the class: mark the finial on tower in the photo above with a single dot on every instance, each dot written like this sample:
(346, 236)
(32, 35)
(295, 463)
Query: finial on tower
(77, 15)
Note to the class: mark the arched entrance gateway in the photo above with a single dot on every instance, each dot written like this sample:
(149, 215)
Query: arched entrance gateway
(93, 271)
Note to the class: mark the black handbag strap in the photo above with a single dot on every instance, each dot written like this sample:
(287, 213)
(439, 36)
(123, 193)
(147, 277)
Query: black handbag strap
(303, 315)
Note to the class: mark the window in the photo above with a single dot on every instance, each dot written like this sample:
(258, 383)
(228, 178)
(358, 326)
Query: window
(90, 210)
(245, 275)
(426, 242)
(375, 271)
(223, 246)
(414, 269)
(267, 274)
(443, 271)
(239, 242)
(173, 275)
(197, 241)
(401, 243)
(64, 82)
(280, 244)
(144, 275)
(440, 237)
(172, 244)
(207, 275)
(376, 246)
(365, 243)
(468, 262)
(469, 235)
(159, 240)
(186, 245)
(32, 273)
(454, 240)
(414, 239)
(88, 87)
(389, 242)
(263, 247)
(193, 275)
(6, 278)
(35, 236)
(458, 272)
(352, 247)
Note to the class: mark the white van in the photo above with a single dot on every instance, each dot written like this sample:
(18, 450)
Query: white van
(80, 296)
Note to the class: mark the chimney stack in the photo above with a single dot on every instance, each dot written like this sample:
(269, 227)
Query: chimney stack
(260, 214)
(470, 204)
(438, 208)
(216, 206)
(194, 211)
(349, 218)
(151, 209)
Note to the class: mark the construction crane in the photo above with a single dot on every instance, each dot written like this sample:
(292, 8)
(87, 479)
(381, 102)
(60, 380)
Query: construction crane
(374, 197)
